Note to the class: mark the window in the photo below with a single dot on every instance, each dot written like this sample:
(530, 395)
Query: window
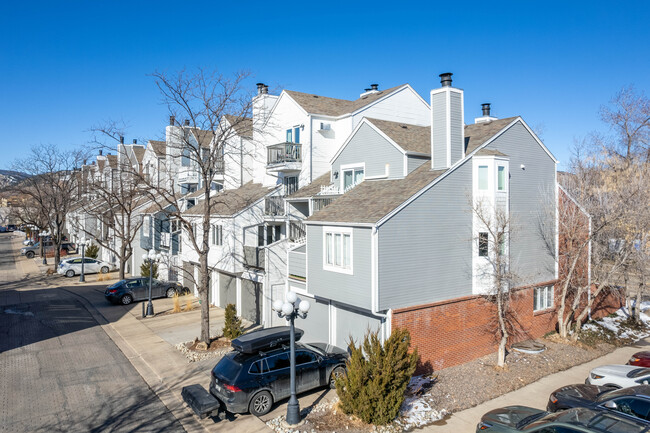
(483, 244)
(633, 406)
(543, 298)
(290, 185)
(146, 220)
(293, 135)
(482, 177)
(352, 177)
(217, 234)
(278, 362)
(190, 203)
(214, 186)
(501, 178)
(338, 250)
(185, 157)
(304, 357)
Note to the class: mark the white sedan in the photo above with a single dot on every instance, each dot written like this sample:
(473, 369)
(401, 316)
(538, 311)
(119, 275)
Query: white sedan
(72, 266)
(619, 376)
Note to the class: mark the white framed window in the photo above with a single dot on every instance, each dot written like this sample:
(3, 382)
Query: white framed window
(501, 178)
(483, 177)
(543, 298)
(351, 175)
(146, 225)
(217, 234)
(337, 249)
(293, 135)
(483, 244)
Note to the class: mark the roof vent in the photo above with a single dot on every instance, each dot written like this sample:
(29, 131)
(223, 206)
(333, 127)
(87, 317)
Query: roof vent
(265, 90)
(485, 107)
(374, 87)
(260, 86)
(445, 79)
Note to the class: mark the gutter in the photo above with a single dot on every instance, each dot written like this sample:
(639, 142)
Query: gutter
(374, 287)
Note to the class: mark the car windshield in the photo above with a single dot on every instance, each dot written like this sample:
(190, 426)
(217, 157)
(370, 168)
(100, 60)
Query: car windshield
(638, 372)
(578, 416)
(227, 369)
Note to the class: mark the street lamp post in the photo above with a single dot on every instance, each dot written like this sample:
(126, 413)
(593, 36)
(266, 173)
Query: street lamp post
(42, 243)
(83, 244)
(152, 257)
(291, 308)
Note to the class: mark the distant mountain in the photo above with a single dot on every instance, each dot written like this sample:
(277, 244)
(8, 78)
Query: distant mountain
(9, 178)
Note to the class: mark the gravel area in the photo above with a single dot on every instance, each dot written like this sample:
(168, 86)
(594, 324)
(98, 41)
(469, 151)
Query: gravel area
(200, 355)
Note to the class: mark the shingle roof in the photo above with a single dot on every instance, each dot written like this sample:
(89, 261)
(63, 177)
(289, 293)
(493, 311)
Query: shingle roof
(159, 147)
(371, 200)
(313, 188)
(490, 152)
(101, 163)
(335, 107)
(479, 133)
(203, 137)
(242, 126)
(112, 160)
(231, 201)
(138, 151)
(411, 138)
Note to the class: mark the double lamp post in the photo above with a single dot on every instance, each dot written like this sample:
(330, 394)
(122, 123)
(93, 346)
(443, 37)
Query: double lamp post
(152, 257)
(83, 243)
(291, 308)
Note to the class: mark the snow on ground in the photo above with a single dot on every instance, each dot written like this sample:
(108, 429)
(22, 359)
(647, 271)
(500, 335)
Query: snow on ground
(614, 324)
(416, 411)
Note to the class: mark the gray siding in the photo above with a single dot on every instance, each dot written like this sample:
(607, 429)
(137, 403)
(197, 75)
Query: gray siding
(425, 250)
(456, 117)
(227, 290)
(439, 130)
(251, 301)
(373, 149)
(529, 190)
(298, 263)
(317, 323)
(350, 289)
(416, 161)
(353, 324)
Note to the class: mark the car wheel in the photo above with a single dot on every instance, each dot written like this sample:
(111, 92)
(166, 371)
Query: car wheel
(104, 270)
(29, 254)
(171, 292)
(126, 299)
(261, 403)
(69, 273)
(336, 373)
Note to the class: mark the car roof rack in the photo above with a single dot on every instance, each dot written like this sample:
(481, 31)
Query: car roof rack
(264, 339)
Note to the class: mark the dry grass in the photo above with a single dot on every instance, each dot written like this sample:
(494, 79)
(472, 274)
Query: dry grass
(177, 304)
(103, 277)
(188, 303)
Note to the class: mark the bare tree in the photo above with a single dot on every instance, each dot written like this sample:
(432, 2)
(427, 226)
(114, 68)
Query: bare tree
(214, 109)
(51, 186)
(628, 116)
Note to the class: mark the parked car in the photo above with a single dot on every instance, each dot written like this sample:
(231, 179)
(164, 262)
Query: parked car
(3, 229)
(640, 359)
(28, 242)
(31, 251)
(619, 376)
(633, 401)
(11, 227)
(72, 266)
(256, 374)
(513, 419)
(137, 288)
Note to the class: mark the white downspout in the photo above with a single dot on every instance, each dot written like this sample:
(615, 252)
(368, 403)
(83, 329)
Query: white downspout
(374, 287)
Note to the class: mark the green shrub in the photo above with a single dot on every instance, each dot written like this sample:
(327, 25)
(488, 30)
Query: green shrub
(144, 269)
(233, 327)
(377, 376)
(92, 251)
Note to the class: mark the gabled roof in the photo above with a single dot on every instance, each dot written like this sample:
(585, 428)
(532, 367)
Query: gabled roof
(243, 127)
(231, 201)
(489, 152)
(138, 151)
(411, 138)
(204, 138)
(313, 188)
(371, 200)
(101, 163)
(479, 133)
(159, 147)
(112, 160)
(316, 104)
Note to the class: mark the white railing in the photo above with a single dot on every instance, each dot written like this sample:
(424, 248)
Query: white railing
(329, 190)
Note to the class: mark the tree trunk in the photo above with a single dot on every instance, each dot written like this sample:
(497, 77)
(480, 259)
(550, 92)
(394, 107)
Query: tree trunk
(637, 305)
(501, 354)
(123, 260)
(204, 277)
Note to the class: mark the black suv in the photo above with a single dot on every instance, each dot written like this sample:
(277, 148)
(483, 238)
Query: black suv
(256, 373)
(137, 288)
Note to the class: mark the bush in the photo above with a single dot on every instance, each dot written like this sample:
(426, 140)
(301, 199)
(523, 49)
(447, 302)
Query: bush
(92, 251)
(144, 269)
(377, 376)
(233, 327)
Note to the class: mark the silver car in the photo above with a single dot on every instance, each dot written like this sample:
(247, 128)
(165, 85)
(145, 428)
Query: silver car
(72, 266)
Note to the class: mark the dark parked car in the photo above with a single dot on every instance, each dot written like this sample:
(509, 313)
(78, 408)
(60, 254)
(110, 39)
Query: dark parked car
(137, 288)
(514, 419)
(640, 359)
(32, 250)
(256, 373)
(633, 401)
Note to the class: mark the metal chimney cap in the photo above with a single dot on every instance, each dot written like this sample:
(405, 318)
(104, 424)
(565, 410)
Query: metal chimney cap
(445, 79)
(374, 86)
(265, 89)
(368, 89)
(172, 120)
(135, 141)
(486, 108)
(121, 139)
(100, 151)
(187, 122)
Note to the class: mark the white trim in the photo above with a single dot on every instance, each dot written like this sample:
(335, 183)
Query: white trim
(536, 139)
(338, 231)
(347, 167)
(374, 273)
(238, 295)
(338, 224)
(448, 119)
(406, 163)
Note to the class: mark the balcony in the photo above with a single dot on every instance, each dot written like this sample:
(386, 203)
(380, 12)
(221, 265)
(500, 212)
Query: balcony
(188, 176)
(284, 157)
(297, 231)
(274, 206)
(254, 257)
(319, 203)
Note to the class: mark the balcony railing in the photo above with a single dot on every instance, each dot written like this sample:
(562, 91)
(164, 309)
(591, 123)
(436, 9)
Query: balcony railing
(274, 206)
(283, 153)
(219, 166)
(322, 202)
(297, 231)
(254, 257)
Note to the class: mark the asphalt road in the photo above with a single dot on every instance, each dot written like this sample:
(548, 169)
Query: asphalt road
(59, 371)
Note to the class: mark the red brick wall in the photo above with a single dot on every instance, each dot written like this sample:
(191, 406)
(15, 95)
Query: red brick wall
(453, 332)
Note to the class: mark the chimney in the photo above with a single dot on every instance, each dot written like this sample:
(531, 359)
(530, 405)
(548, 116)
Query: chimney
(100, 152)
(486, 114)
(260, 86)
(447, 124)
(187, 122)
(135, 141)
(265, 90)
(172, 120)
(121, 139)
(374, 88)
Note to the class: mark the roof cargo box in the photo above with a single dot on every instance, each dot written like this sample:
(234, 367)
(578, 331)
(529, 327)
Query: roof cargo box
(267, 338)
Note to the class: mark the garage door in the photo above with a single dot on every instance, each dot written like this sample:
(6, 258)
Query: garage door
(352, 323)
(317, 323)
(251, 301)
(227, 290)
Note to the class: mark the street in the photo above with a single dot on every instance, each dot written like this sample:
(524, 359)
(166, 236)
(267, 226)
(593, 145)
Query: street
(60, 371)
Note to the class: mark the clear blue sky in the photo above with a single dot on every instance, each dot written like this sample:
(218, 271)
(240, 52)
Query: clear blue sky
(65, 65)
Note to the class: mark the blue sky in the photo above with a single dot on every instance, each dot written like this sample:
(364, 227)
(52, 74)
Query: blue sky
(65, 66)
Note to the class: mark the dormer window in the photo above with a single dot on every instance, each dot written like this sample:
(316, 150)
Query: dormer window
(352, 176)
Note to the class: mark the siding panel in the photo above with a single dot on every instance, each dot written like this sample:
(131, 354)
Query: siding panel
(456, 116)
(416, 161)
(297, 264)
(439, 130)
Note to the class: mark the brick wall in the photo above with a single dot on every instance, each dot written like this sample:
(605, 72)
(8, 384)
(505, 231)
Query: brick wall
(453, 332)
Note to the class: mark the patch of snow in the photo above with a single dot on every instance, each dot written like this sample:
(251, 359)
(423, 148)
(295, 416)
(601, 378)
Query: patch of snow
(613, 323)
(416, 411)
